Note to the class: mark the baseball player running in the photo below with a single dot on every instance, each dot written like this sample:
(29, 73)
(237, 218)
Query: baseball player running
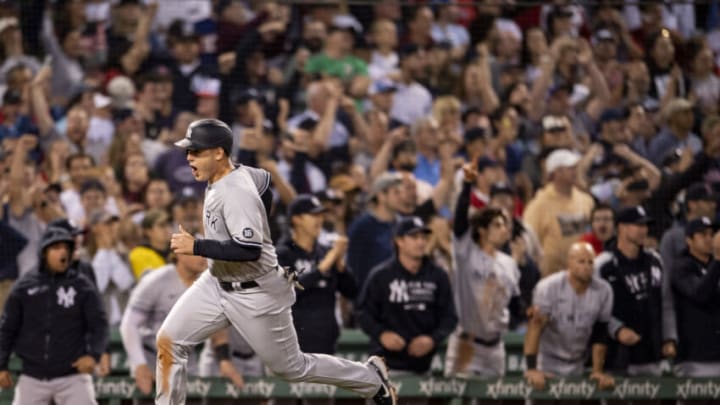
(245, 287)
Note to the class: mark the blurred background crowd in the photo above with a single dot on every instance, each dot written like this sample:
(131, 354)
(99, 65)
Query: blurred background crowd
(564, 115)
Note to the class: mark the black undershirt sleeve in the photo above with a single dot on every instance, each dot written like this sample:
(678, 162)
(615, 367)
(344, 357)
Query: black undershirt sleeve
(227, 250)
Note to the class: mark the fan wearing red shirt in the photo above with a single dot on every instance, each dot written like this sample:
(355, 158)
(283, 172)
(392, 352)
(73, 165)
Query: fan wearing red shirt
(602, 227)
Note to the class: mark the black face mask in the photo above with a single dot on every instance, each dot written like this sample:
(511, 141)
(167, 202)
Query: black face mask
(314, 44)
(406, 167)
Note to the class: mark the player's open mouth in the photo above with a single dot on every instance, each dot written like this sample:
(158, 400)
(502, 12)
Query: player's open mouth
(194, 170)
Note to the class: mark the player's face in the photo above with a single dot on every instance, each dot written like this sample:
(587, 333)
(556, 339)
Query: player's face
(58, 257)
(580, 263)
(636, 233)
(203, 163)
(498, 232)
(701, 242)
(413, 245)
(309, 224)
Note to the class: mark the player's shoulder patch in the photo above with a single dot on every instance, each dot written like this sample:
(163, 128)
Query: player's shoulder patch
(248, 233)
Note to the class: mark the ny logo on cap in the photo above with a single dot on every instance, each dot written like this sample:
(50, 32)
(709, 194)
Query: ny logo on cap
(641, 211)
(417, 222)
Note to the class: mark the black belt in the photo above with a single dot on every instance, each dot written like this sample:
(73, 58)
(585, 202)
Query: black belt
(467, 336)
(242, 355)
(237, 286)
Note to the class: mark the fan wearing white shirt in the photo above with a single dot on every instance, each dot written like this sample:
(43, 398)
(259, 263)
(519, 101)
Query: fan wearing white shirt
(446, 29)
(384, 61)
(412, 100)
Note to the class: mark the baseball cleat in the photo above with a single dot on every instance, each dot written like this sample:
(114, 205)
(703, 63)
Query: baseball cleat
(386, 395)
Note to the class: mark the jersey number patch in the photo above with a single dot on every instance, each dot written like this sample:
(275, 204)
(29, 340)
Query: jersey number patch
(248, 233)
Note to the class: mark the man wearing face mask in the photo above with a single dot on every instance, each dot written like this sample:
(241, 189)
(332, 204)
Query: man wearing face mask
(57, 363)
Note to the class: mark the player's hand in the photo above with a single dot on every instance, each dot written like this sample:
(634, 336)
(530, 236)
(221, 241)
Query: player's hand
(536, 378)
(668, 350)
(604, 381)
(470, 172)
(27, 142)
(182, 243)
(144, 378)
(229, 371)
(627, 336)
(5, 379)
(392, 341)
(340, 246)
(103, 368)
(85, 364)
(421, 345)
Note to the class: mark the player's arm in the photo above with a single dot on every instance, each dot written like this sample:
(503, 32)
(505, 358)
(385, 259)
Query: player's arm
(10, 325)
(133, 321)
(531, 347)
(98, 330)
(604, 380)
(228, 250)
(220, 342)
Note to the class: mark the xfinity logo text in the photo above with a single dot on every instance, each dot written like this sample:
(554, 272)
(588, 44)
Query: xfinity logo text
(690, 389)
(646, 390)
(503, 389)
(565, 389)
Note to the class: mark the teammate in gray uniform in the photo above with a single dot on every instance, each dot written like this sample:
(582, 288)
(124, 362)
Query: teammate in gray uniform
(148, 306)
(484, 282)
(245, 287)
(571, 308)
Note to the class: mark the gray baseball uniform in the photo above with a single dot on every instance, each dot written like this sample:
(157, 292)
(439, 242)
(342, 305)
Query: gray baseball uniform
(261, 314)
(149, 304)
(571, 318)
(483, 286)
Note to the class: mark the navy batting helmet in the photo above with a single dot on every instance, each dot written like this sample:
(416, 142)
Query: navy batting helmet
(207, 134)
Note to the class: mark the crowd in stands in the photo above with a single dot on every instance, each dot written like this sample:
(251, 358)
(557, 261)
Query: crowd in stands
(443, 170)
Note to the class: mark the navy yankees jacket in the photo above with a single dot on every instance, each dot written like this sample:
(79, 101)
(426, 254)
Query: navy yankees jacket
(50, 320)
(393, 299)
(640, 303)
(697, 306)
(314, 309)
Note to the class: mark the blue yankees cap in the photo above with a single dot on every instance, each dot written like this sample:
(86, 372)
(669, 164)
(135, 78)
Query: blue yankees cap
(207, 134)
(633, 215)
(305, 204)
(698, 225)
(410, 226)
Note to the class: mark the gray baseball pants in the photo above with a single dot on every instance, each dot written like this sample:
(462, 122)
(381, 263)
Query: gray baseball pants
(74, 389)
(263, 317)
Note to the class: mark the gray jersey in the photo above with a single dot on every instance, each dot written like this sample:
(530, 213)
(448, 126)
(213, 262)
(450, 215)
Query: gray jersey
(483, 286)
(234, 210)
(571, 316)
(154, 296)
